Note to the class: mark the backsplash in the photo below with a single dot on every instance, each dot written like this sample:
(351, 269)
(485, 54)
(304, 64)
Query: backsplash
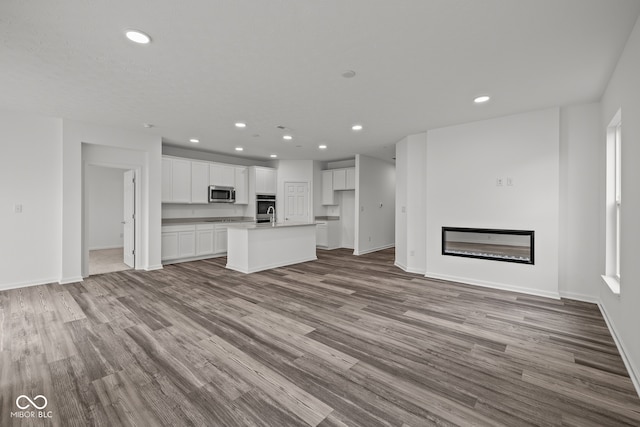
(203, 211)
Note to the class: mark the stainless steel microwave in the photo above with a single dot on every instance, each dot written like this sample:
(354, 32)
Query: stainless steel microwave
(218, 194)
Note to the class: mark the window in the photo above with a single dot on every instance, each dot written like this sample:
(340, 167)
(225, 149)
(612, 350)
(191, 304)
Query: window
(614, 203)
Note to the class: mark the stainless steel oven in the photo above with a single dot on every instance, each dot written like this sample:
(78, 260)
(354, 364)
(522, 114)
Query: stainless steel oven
(263, 203)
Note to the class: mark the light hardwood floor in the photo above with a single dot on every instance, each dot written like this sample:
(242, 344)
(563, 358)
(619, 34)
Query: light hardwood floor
(339, 341)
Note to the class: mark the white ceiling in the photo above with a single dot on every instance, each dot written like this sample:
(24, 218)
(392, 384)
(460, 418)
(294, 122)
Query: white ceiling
(419, 64)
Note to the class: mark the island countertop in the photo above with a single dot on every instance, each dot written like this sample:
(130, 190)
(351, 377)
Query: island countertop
(257, 247)
(267, 225)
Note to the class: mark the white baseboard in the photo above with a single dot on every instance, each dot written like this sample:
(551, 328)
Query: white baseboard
(99, 248)
(494, 285)
(153, 267)
(580, 297)
(67, 280)
(379, 248)
(634, 372)
(407, 269)
(18, 285)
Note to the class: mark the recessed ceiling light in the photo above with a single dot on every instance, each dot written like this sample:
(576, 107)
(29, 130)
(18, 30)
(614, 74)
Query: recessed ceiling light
(356, 127)
(349, 74)
(148, 125)
(287, 137)
(273, 156)
(481, 99)
(239, 148)
(137, 36)
(322, 147)
(241, 125)
(194, 140)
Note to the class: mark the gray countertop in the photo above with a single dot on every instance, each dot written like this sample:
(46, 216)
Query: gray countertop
(266, 225)
(327, 218)
(209, 220)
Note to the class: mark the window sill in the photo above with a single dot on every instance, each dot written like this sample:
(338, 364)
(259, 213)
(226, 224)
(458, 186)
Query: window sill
(613, 284)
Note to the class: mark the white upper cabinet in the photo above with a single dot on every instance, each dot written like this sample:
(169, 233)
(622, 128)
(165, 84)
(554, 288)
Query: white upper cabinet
(265, 180)
(351, 179)
(199, 182)
(167, 180)
(242, 185)
(222, 175)
(340, 179)
(337, 179)
(176, 180)
(327, 188)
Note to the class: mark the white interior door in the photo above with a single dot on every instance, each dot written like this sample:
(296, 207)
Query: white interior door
(129, 215)
(296, 201)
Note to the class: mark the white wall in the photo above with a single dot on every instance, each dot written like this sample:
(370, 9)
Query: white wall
(347, 217)
(623, 311)
(105, 193)
(411, 208)
(580, 143)
(117, 146)
(463, 163)
(170, 210)
(375, 202)
(294, 171)
(30, 175)
(170, 150)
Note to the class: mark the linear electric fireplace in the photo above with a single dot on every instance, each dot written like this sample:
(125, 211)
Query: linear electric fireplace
(488, 243)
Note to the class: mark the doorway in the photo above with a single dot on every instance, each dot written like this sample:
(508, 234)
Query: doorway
(296, 202)
(110, 221)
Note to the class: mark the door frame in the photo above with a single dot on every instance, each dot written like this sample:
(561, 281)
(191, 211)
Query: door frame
(86, 217)
(309, 198)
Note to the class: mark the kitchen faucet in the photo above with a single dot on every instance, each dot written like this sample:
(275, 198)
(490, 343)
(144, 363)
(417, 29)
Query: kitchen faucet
(272, 211)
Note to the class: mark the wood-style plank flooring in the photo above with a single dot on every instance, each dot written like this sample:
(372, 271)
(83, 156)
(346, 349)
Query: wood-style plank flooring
(341, 341)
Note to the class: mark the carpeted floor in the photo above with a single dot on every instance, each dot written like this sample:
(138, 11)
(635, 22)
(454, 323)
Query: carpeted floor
(106, 261)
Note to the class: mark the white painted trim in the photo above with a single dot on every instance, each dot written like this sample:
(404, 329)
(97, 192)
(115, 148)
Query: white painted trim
(18, 285)
(613, 284)
(194, 258)
(100, 248)
(379, 248)
(67, 280)
(494, 285)
(269, 266)
(633, 372)
(407, 269)
(400, 266)
(580, 297)
(153, 267)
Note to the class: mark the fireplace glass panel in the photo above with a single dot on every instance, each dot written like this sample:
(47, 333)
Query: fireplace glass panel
(493, 244)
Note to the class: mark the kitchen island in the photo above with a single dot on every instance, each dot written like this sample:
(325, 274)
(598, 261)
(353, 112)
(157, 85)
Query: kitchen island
(258, 247)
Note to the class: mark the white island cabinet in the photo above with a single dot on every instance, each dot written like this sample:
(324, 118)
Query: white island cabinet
(258, 247)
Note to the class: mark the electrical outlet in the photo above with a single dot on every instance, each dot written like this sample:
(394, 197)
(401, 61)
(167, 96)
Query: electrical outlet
(369, 238)
(121, 235)
(499, 182)
(509, 181)
(404, 209)
(412, 253)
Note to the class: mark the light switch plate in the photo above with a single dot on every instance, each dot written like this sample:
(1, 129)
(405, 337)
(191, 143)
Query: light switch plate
(17, 208)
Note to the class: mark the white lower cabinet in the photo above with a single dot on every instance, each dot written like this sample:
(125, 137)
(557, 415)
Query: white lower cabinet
(178, 241)
(204, 240)
(221, 240)
(194, 241)
(328, 234)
